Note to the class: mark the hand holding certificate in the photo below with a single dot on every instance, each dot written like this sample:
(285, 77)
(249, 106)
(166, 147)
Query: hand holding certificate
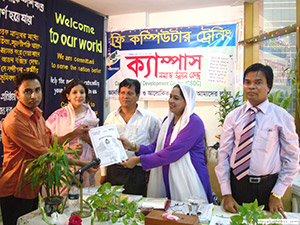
(106, 145)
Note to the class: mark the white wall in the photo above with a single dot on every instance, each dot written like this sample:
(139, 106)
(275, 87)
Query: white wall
(204, 16)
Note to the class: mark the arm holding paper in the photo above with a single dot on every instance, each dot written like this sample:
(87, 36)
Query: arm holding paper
(106, 145)
(76, 115)
(179, 147)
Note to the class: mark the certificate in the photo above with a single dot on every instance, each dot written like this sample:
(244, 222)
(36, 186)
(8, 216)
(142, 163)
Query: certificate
(107, 147)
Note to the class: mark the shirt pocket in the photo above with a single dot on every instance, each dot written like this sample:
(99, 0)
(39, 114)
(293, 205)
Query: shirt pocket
(266, 139)
(267, 134)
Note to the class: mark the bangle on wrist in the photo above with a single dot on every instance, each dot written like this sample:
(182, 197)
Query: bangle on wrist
(276, 195)
(133, 146)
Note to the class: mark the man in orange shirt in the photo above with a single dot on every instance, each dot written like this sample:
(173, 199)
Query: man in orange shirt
(24, 136)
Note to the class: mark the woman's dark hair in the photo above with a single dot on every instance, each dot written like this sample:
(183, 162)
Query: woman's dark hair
(267, 70)
(178, 86)
(20, 77)
(129, 82)
(69, 87)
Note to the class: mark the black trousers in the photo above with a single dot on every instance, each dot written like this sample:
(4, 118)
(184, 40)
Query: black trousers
(12, 208)
(134, 180)
(248, 189)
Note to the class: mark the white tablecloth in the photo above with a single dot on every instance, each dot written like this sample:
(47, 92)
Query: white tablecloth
(216, 214)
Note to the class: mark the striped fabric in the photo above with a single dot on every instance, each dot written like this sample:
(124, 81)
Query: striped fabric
(242, 160)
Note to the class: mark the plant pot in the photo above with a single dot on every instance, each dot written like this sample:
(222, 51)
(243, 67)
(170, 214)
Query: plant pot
(54, 204)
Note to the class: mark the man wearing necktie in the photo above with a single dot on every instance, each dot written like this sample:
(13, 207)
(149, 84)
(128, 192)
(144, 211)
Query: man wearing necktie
(258, 156)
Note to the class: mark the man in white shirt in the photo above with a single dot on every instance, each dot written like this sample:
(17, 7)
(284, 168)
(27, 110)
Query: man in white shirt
(264, 165)
(139, 126)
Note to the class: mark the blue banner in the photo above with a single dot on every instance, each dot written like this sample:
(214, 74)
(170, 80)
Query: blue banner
(184, 37)
(59, 40)
(22, 46)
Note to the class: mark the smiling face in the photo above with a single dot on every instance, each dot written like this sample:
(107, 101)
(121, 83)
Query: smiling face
(29, 93)
(255, 87)
(77, 96)
(128, 97)
(176, 102)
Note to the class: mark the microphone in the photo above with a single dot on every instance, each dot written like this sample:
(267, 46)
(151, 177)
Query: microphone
(95, 162)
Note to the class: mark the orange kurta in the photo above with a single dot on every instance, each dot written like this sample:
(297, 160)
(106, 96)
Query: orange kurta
(24, 136)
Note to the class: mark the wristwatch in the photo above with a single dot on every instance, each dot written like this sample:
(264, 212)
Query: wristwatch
(276, 195)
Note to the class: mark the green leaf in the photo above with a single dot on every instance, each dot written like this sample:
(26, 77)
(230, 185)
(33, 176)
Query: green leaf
(276, 215)
(285, 103)
(260, 208)
(114, 219)
(237, 219)
(254, 206)
(249, 217)
(142, 216)
(242, 210)
(107, 186)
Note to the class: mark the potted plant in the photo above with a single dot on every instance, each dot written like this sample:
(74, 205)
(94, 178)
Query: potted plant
(107, 204)
(227, 103)
(250, 213)
(50, 171)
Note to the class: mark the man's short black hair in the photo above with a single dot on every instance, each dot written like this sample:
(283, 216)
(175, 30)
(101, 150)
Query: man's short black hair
(20, 77)
(129, 82)
(267, 70)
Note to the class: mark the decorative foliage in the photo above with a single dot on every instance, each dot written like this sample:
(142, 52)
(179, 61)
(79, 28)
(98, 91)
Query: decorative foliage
(275, 98)
(292, 82)
(227, 103)
(292, 78)
(106, 204)
(249, 213)
(51, 170)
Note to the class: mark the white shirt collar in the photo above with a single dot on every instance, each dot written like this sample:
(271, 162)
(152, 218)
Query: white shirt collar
(262, 106)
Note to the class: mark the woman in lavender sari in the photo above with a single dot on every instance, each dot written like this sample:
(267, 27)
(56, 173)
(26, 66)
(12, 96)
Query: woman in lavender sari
(177, 157)
(68, 118)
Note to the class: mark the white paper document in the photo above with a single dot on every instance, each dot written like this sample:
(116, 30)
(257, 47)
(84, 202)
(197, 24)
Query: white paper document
(107, 147)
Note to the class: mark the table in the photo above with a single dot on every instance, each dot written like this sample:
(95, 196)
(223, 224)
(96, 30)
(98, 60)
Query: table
(219, 216)
(212, 213)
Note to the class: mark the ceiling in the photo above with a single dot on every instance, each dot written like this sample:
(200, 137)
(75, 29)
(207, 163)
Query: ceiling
(117, 7)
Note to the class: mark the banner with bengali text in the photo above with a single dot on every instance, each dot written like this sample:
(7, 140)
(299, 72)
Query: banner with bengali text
(22, 47)
(58, 39)
(202, 56)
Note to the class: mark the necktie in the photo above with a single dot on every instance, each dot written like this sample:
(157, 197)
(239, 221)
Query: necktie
(242, 160)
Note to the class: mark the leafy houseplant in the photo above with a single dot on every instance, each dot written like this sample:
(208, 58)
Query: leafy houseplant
(107, 204)
(227, 103)
(275, 98)
(250, 213)
(51, 171)
(293, 78)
